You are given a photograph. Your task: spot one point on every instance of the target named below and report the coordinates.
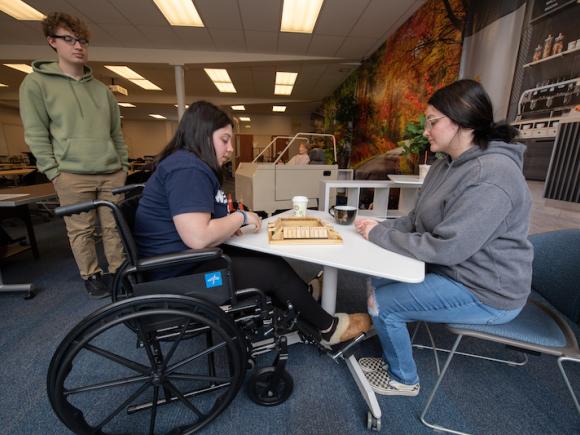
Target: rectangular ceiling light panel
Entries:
(20, 10)
(245, 118)
(283, 90)
(127, 105)
(221, 79)
(20, 67)
(299, 16)
(278, 108)
(132, 76)
(286, 78)
(2, 85)
(180, 12)
(238, 108)
(156, 116)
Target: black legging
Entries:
(275, 277)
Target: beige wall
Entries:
(11, 132)
(149, 137)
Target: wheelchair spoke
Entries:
(118, 359)
(175, 344)
(122, 406)
(183, 399)
(187, 360)
(153, 410)
(190, 377)
(101, 385)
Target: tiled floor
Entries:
(549, 214)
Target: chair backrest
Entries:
(316, 156)
(128, 207)
(556, 270)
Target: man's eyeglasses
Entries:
(71, 40)
(430, 122)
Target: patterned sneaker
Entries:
(371, 364)
(381, 383)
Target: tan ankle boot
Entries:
(350, 326)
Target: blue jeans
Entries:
(438, 299)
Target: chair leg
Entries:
(435, 349)
(567, 381)
(437, 384)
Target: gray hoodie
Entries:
(470, 223)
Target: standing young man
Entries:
(73, 128)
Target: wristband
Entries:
(245, 215)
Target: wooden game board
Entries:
(302, 231)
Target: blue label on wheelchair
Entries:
(213, 279)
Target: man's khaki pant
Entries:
(81, 228)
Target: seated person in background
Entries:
(470, 225)
(302, 157)
(183, 206)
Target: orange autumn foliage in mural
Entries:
(392, 87)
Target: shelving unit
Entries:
(555, 56)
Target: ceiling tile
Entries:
(126, 35)
(261, 15)
(295, 43)
(338, 17)
(220, 14)
(324, 45)
(141, 13)
(228, 40)
(262, 42)
(355, 48)
(194, 38)
(379, 16)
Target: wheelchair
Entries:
(186, 341)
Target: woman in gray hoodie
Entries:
(469, 225)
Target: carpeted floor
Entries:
(478, 396)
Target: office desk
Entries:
(356, 255)
(15, 174)
(14, 203)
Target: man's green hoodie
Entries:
(71, 125)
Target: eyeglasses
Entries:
(429, 124)
(71, 40)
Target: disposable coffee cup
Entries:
(343, 214)
(423, 169)
(299, 204)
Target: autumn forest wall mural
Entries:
(371, 109)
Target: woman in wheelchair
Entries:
(183, 206)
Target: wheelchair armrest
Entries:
(183, 257)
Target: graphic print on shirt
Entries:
(220, 197)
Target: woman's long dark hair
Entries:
(467, 104)
(195, 134)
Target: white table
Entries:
(356, 255)
(409, 185)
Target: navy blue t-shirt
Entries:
(181, 183)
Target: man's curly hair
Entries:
(59, 19)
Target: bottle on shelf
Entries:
(548, 46)
(558, 44)
(538, 53)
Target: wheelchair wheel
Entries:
(139, 356)
(264, 390)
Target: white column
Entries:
(180, 90)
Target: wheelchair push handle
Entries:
(81, 207)
(127, 188)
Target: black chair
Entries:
(186, 340)
(316, 156)
(539, 328)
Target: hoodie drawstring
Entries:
(76, 98)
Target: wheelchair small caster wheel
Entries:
(263, 393)
(373, 423)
